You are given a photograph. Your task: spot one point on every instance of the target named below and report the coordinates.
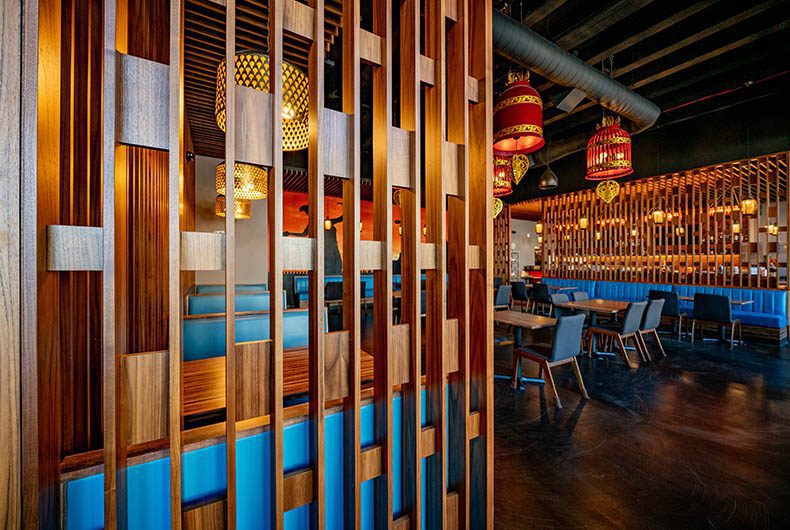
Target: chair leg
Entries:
(740, 333)
(732, 335)
(579, 379)
(680, 326)
(550, 380)
(540, 370)
(642, 345)
(514, 378)
(693, 329)
(658, 341)
(623, 351)
(589, 344)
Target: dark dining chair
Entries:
(497, 282)
(714, 309)
(565, 346)
(560, 298)
(621, 331)
(671, 307)
(650, 322)
(502, 298)
(541, 298)
(519, 293)
(580, 295)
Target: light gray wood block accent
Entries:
(298, 253)
(472, 89)
(202, 251)
(74, 248)
(451, 10)
(370, 255)
(452, 170)
(298, 19)
(142, 102)
(336, 143)
(401, 152)
(427, 70)
(427, 256)
(370, 47)
(474, 257)
(253, 126)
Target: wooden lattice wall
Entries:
(502, 245)
(705, 240)
(445, 72)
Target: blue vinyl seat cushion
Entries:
(220, 288)
(205, 304)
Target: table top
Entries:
(733, 302)
(568, 288)
(523, 320)
(598, 305)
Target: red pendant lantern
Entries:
(503, 176)
(609, 151)
(518, 117)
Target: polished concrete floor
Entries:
(700, 439)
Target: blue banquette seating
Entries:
(767, 310)
(301, 285)
(207, 303)
(220, 288)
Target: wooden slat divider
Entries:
(352, 445)
(298, 488)
(370, 463)
(428, 441)
(473, 429)
(370, 47)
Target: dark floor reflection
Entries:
(698, 440)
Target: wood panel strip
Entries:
(400, 157)
(428, 441)
(201, 251)
(401, 352)
(370, 255)
(427, 256)
(143, 107)
(74, 248)
(473, 429)
(204, 516)
(315, 191)
(370, 463)
(144, 397)
(298, 253)
(253, 374)
(474, 257)
(427, 70)
(370, 47)
(336, 143)
(453, 160)
(299, 19)
(352, 445)
(298, 489)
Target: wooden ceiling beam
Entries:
(601, 21)
(544, 10)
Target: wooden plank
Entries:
(11, 121)
(299, 19)
(253, 373)
(275, 212)
(298, 253)
(474, 257)
(315, 191)
(337, 361)
(144, 397)
(473, 428)
(382, 279)
(74, 248)
(370, 463)
(201, 251)
(427, 256)
(472, 89)
(298, 489)
(336, 143)
(428, 439)
(427, 70)
(205, 516)
(351, 270)
(400, 157)
(370, 47)
(143, 105)
(451, 331)
(453, 160)
(252, 118)
(402, 523)
(401, 353)
(370, 255)
(453, 511)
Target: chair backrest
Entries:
(560, 298)
(633, 317)
(567, 338)
(652, 316)
(497, 282)
(333, 291)
(712, 308)
(541, 293)
(519, 290)
(580, 295)
(502, 296)
(671, 300)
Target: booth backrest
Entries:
(764, 300)
(581, 285)
(204, 337)
(301, 284)
(206, 304)
(625, 291)
(220, 288)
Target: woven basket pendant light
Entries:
(242, 207)
(503, 176)
(250, 182)
(609, 151)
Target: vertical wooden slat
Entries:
(436, 377)
(315, 176)
(275, 212)
(351, 276)
(175, 168)
(382, 279)
(410, 261)
(481, 325)
(230, 263)
(114, 496)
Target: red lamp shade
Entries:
(609, 151)
(518, 118)
(503, 176)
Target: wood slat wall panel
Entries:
(697, 245)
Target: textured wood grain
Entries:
(202, 251)
(205, 516)
(451, 346)
(401, 353)
(253, 374)
(427, 70)
(74, 248)
(298, 489)
(336, 144)
(144, 397)
(370, 255)
(370, 463)
(427, 256)
(252, 118)
(143, 104)
(474, 257)
(400, 158)
(299, 19)
(298, 253)
(370, 47)
(453, 166)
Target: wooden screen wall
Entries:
(705, 240)
(502, 245)
(437, 152)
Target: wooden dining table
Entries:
(521, 321)
(595, 307)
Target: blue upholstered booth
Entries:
(301, 285)
(215, 302)
(220, 288)
(204, 478)
(768, 308)
(205, 337)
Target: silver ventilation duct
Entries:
(525, 47)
